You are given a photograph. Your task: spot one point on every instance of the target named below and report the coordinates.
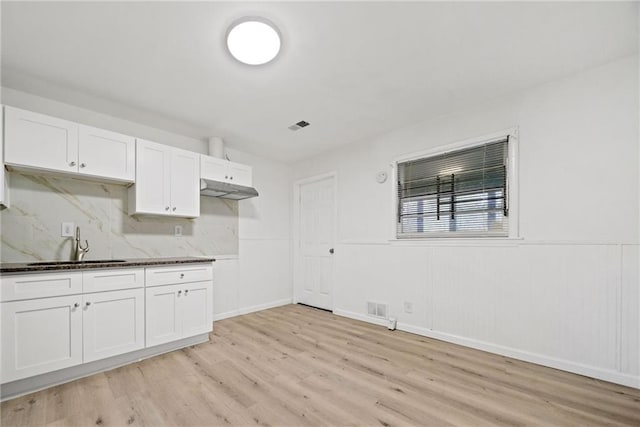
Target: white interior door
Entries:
(316, 239)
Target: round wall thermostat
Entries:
(381, 177)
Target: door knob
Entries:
(331, 251)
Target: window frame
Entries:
(512, 188)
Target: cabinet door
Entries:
(214, 169)
(4, 190)
(196, 302)
(113, 323)
(153, 174)
(163, 317)
(39, 141)
(240, 174)
(185, 184)
(40, 335)
(106, 154)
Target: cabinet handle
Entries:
(76, 305)
(186, 292)
(179, 292)
(88, 303)
(226, 177)
(82, 165)
(182, 275)
(72, 164)
(167, 208)
(174, 208)
(230, 177)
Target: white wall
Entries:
(261, 277)
(258, 275)
(566, 293)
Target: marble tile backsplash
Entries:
(31, 227)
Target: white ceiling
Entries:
(352, 70)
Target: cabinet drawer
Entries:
(28, 286)
(112, 280)
(175, 275)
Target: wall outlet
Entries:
(408, 307)
(177, 230)
(68, 229)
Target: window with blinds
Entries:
(456, 193)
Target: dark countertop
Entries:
(50, 266)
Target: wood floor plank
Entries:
(295, 365)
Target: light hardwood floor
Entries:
(295, 365)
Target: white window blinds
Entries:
(457, 193)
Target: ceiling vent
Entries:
(301, 124)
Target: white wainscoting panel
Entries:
(226, 282)
(573, 306)
(630, 313)
(265, 272)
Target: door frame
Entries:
(296, 254)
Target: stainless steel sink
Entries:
(92, 261)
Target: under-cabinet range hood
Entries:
(226, 190)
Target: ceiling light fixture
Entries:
(253, 40)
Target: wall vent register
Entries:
(301, 124)
(456, 193)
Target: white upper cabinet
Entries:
(4, 178)
(39, 142)
(167, 181)
(151, 192)
(222, 170)
(102, 153)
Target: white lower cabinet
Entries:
(197, 308)
(112, 323)
(40, 335)
(178, 311)
(52, 321)
(162, 314)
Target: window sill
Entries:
(456, 241)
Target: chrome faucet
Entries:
(78, 251)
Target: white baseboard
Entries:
(363, 317)
(247, 310)
(565, 365)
